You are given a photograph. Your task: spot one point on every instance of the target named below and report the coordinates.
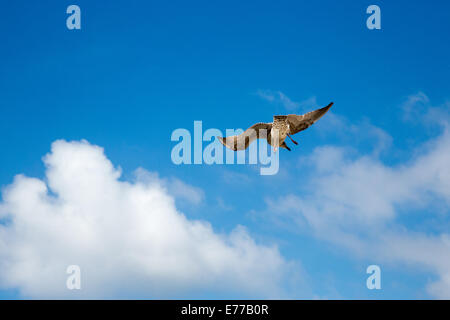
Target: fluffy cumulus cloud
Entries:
(390, 213)
(127, 237)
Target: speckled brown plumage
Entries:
(275, 132)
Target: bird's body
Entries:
(282, 126)
(275, 132)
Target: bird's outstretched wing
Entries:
(243, 140)
(298, 123)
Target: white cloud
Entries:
(235, 178)
(174, 186)
(282, 99)
(127, 237)
(286, 102)
(356, 201)
(414, 105)
(267, 95)
(418, 109)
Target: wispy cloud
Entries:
(418, 109)
(354, 200)
(235, 178)
(282, 99)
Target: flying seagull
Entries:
(283, 126)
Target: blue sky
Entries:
(136, 71)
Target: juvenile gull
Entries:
(281, 127)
